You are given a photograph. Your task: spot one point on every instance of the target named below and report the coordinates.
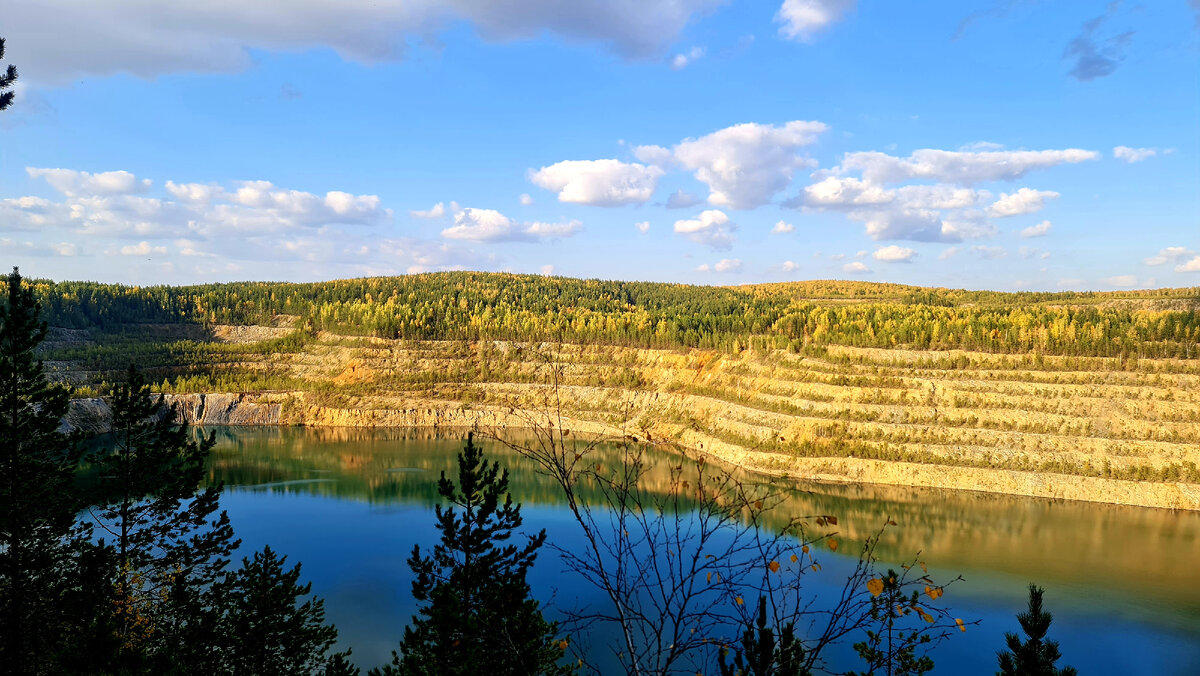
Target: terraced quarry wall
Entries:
(1079, 428)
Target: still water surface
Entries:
(1123, 583)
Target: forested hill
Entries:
(473, 305)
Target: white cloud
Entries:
(657, 156)
(783, 227)
(989, 252)
(28, 248)
(107, 204)
(894, 254)
(950, 210)
(152, 39)
(142, 249)
(682, 199)
(488, 225)
(1122, 281)
(712, 228)
(606, 183)
(856, 266)
(547, 270)
(728, 265)
(1169, 255)
(680, 61)
(949, 253)
(958, 167)
(526, 199)
(1040, 230)
(1023, 201)
(1033, 252)
(746, 164)
(1190, 266)
(642, 226)
(1132, 155)
(789, 266)
(802, 19)
(83, 184)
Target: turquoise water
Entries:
(1123, 583)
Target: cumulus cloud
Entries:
(111, 204)
(1040, 230)
(956, 166)
(1023, 201)
(27, 248)
(789, 266)
(856, 266)
(682, 60)
(1122, 281)
(83, 184)
(746, 164)
(894, 254)
(1170, 254)
(989, 252)
(142, 249)
(950, 210)
(1132, 155)
(657, 156)
(149, 40)
(682, 199)
(949, 253)
(606, 183)
(642, 226)
(489, 225)
(802, 19)
(526, 199)
(711, 228)
(1191, 266)
(547, 270)
(782, 227)
(725, 265)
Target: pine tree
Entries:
(477, 615)
(762, 655)
(38, 502)
(7, 79)
(1036, 656)
(148, 500)
(270, 631)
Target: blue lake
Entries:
(1123, 583)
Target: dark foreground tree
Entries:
(7, 79)
(761, 654)
(272, 629)
(1035, 656)
(477, 615)
(160, 525)
(38, 503)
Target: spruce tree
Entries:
(270, 630)
(167, 547)
(1036, 656)
(38, 503)
(7, 79)
(477, 616)
(762, 655)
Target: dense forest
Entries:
(472, 305)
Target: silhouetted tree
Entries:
(270, 630)
(1036, 656)
(38, 503)
(7, 78)
(148, 500)
(762, 655)
(477, 615)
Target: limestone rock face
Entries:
(93, 416)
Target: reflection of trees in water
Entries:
(1071, 543)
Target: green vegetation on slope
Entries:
(470, 306)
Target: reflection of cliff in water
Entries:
(1150, 553)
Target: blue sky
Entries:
(1006, 145)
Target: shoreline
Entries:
(289, 409)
